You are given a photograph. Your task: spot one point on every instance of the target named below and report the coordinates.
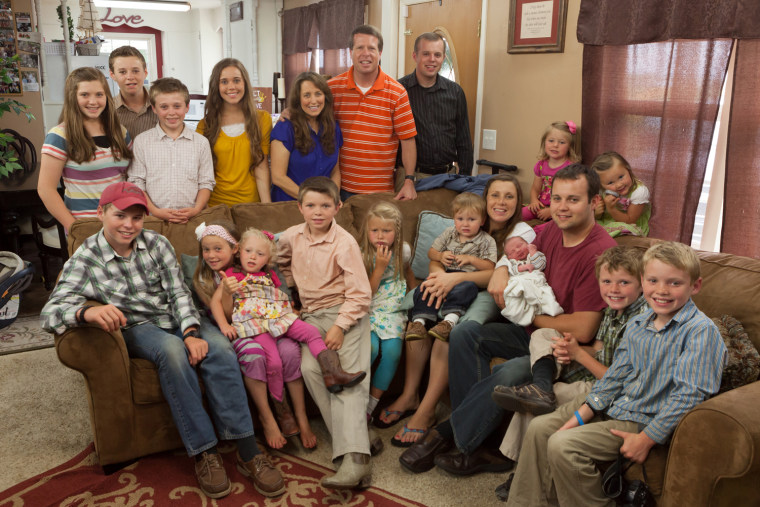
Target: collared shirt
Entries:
(443, 126)
(481, 246)
(610, 333)
(136, 122)
(372, 124)
(172, 171)
(147, 286)
(658, 376)
(328, 271)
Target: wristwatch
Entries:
(193, 332)
(411, 177)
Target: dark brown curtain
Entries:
(337, 19)
(741, 201)
(656, 105)
(615, 22)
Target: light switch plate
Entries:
(489, 139)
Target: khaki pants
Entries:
(558, 467)
(345, 413)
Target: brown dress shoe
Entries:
(265, 477)
(211, 476)
(484, 459)
(441, 330)
(415, 331)
(332, 372)
(419, 457)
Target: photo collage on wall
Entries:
(18, 40)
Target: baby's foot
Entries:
(273, 435)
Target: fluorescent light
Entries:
(148, 5)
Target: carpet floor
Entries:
(45, 423)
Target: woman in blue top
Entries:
(307, 144)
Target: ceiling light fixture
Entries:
(149, 5)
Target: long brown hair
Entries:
(215, 103)
(326, 118)
(502, 233)
(80, 147)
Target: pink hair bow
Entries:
(571, 126)
(268, 235)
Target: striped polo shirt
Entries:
(85, 182)
(372, 125)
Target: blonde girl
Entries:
(88, 148)
(386, 258)
(238, 133)
(260, 314)
(560, 147)
(625, 208)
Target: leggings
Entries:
(386, 368)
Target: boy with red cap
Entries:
(135, 275)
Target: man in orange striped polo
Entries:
(374, 114)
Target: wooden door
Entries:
(458, 21)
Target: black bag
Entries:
(630, 494)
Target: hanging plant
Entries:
(8, 156)
(68, 17)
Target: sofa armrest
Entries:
(714, 457)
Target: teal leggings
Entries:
(386, 368)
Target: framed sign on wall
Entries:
(537, 26)
(236, 11)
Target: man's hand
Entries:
(334, 338)
(197, 349)
(635, 445)
(108, 317)
(407, 192)
(229, 284)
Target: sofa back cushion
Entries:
(182, 236)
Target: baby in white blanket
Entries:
(527, 294)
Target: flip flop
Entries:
(379, 423)
(400, 443)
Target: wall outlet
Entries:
(489, 139)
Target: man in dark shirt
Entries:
(440, 111)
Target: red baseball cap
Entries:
(123, 195)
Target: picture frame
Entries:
(236, 11)
(537, 26)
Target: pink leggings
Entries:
(275, 362)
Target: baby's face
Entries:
(516, 249)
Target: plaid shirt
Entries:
(147, 286)
(610, 333)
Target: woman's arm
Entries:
(439, 283)
(280, 159)
(335, 175)
(261, 174)
(51, 169)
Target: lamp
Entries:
(150, 5)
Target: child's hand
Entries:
(197, 349)
(635, 445)
(382, 257)
(610, 201)
(571, 423)
(164, 214)
(544, 214)
(599, 210)
(535, 206)
(108, 317)
(334, 338)
(230, 285)
(526, 267)
(463, 260)
(228, 331)
(532, 249)
(448, 259)
(560, 349)
(186, 214)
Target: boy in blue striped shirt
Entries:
(670, 359)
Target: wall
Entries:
(523, 93)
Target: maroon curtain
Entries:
(335, 61)
(656, 104)
(741, 201)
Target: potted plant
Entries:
(8, 156)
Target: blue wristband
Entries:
(580, 419)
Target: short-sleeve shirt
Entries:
(372, 124)
(481, 246)
(301, 166)
(136, 122)
(83, 183)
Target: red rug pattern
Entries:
(168, 479)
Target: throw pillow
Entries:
(743, 364)
(430, 226)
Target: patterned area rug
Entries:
(24, 334)
(168, 479)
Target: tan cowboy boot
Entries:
(355, 472)
(335, 378)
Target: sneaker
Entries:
(441, 330)
(527, 398)
(265, 477)
(415, 331)
(211, 476)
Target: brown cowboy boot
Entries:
(285, 418)
(335, 378)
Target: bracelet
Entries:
(580, 419)
(79, 316)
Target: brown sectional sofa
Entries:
(714, 458)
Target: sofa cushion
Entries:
(743, 360)
(429, 227)
(182, 236)
(274, 217)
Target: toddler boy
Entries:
(128, 69)
(325, 264)
(463, 247)
(172, 162)
(670, 359)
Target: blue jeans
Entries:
(179, 383)
(471, 348)
(345, 194)
(457, 301)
